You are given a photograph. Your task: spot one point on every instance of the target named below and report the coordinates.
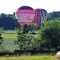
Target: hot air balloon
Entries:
(40, 16)
(25, 15)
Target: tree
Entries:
(50, 35)
(54, 15)
(8, 21)
(28, 42)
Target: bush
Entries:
(50, 35)
(28, 42)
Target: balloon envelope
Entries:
(40, 15)
(25, 16)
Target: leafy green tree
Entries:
(50, 35)
(28, 42)
(54, 15)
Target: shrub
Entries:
(50, 35)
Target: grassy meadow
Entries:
(9, 36)
(42, 57)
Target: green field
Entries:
(29, 58)
(9, 36)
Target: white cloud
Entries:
(10, 6)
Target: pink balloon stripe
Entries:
(25, 11)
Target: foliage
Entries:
(50, 35)
(8, 21)
(28, 42)
(54, 15)
(33, 27)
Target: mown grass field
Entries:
(9, 36)
(43, 57)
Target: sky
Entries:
(10, 6)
